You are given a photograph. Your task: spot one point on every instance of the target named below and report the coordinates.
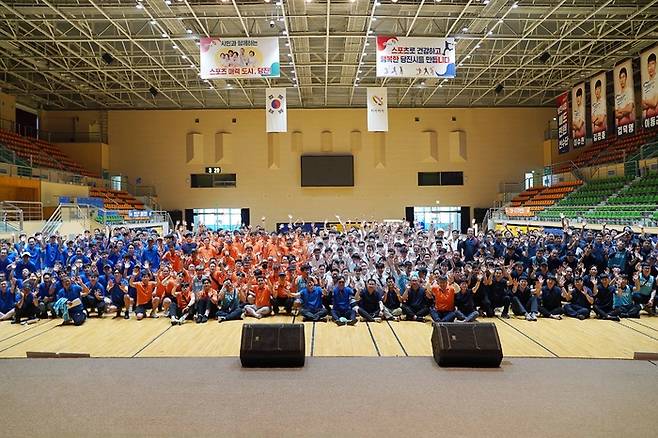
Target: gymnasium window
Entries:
(218, 218)
(443, 217)
(216, 180)
(440, 178)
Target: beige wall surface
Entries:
(80, 122)
(500, 144)
(7, 108)
(50, 192)
(92, 156)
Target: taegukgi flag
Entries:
(276, 113)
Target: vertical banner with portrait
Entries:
(599, 108)
(624, 99)
(578, 126)
(562, 102)
(649, 88)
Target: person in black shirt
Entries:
(497, 294)
(370, 306)
(603, 298)
(524, 301)
(391, 300)
(580, 300)
(551, 297)
(414, 302)
(465, 308)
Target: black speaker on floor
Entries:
(273, 345)
(466, 345)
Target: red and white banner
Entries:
(276, 111)
(562, 102)
(578, 127)
(235, 58)
(598, 107)
(624, 99)
(412, 57)
(649, 88)
(377, 109)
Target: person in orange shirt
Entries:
(146, 296)
(282, 294)
(206, 301)
(207, 251)
(443, 296)
(174, 258)
(262, 300)
(180, 306)
(165, 287)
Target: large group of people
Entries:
(342, 273)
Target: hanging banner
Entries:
(276, 113)
(411, 57)
(624, 99)
(599, 109)
(235, 58)
(377, 109)
(563, 123)
(649, 88)
(578, 127)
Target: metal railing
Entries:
(11, 217)
(53, 136)
(67, 213)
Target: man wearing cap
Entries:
(414, 302)
(442, 297)
(25, 263)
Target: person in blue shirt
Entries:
(117, 288)
(7, 300)
(72, 292)
(151, 254)
(342, 311)
(5, 261)
(644, 292)
(469, 246)
(310, 299)
(25, 263)
(35, 250)
(189, 245)
(27, 305)
(79, 255)
(95, 299)
(623, 300)
(415, 305)
(53, 251)
(47, 295)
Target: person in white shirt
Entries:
(578, 125)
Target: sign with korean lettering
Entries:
(649, 88)
(411, 57)
(139, 214)
(235, 58)
(563, 122)
(599, 109)
(624, 99)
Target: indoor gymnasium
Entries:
(263, 218)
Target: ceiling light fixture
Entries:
(189, 31)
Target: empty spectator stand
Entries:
(115, 200)
(538, 198)
(40, 153)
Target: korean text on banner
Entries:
(235, 58)
(414, 57)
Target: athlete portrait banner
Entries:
(578, 127)
(562, 102)
(411, 57)
(235, 58)
(377, 109)
(276, 113)
(649, 88)
(598, 107)
(624, 99)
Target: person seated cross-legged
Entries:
(414, 302)
(370, 306)
(579, 299)
(310, 299)
(228, 303)
(524, 299)
(342, 311)
(443, 297)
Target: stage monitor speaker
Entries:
(273, 345)
(466, 345)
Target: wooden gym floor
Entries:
(568, 338)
